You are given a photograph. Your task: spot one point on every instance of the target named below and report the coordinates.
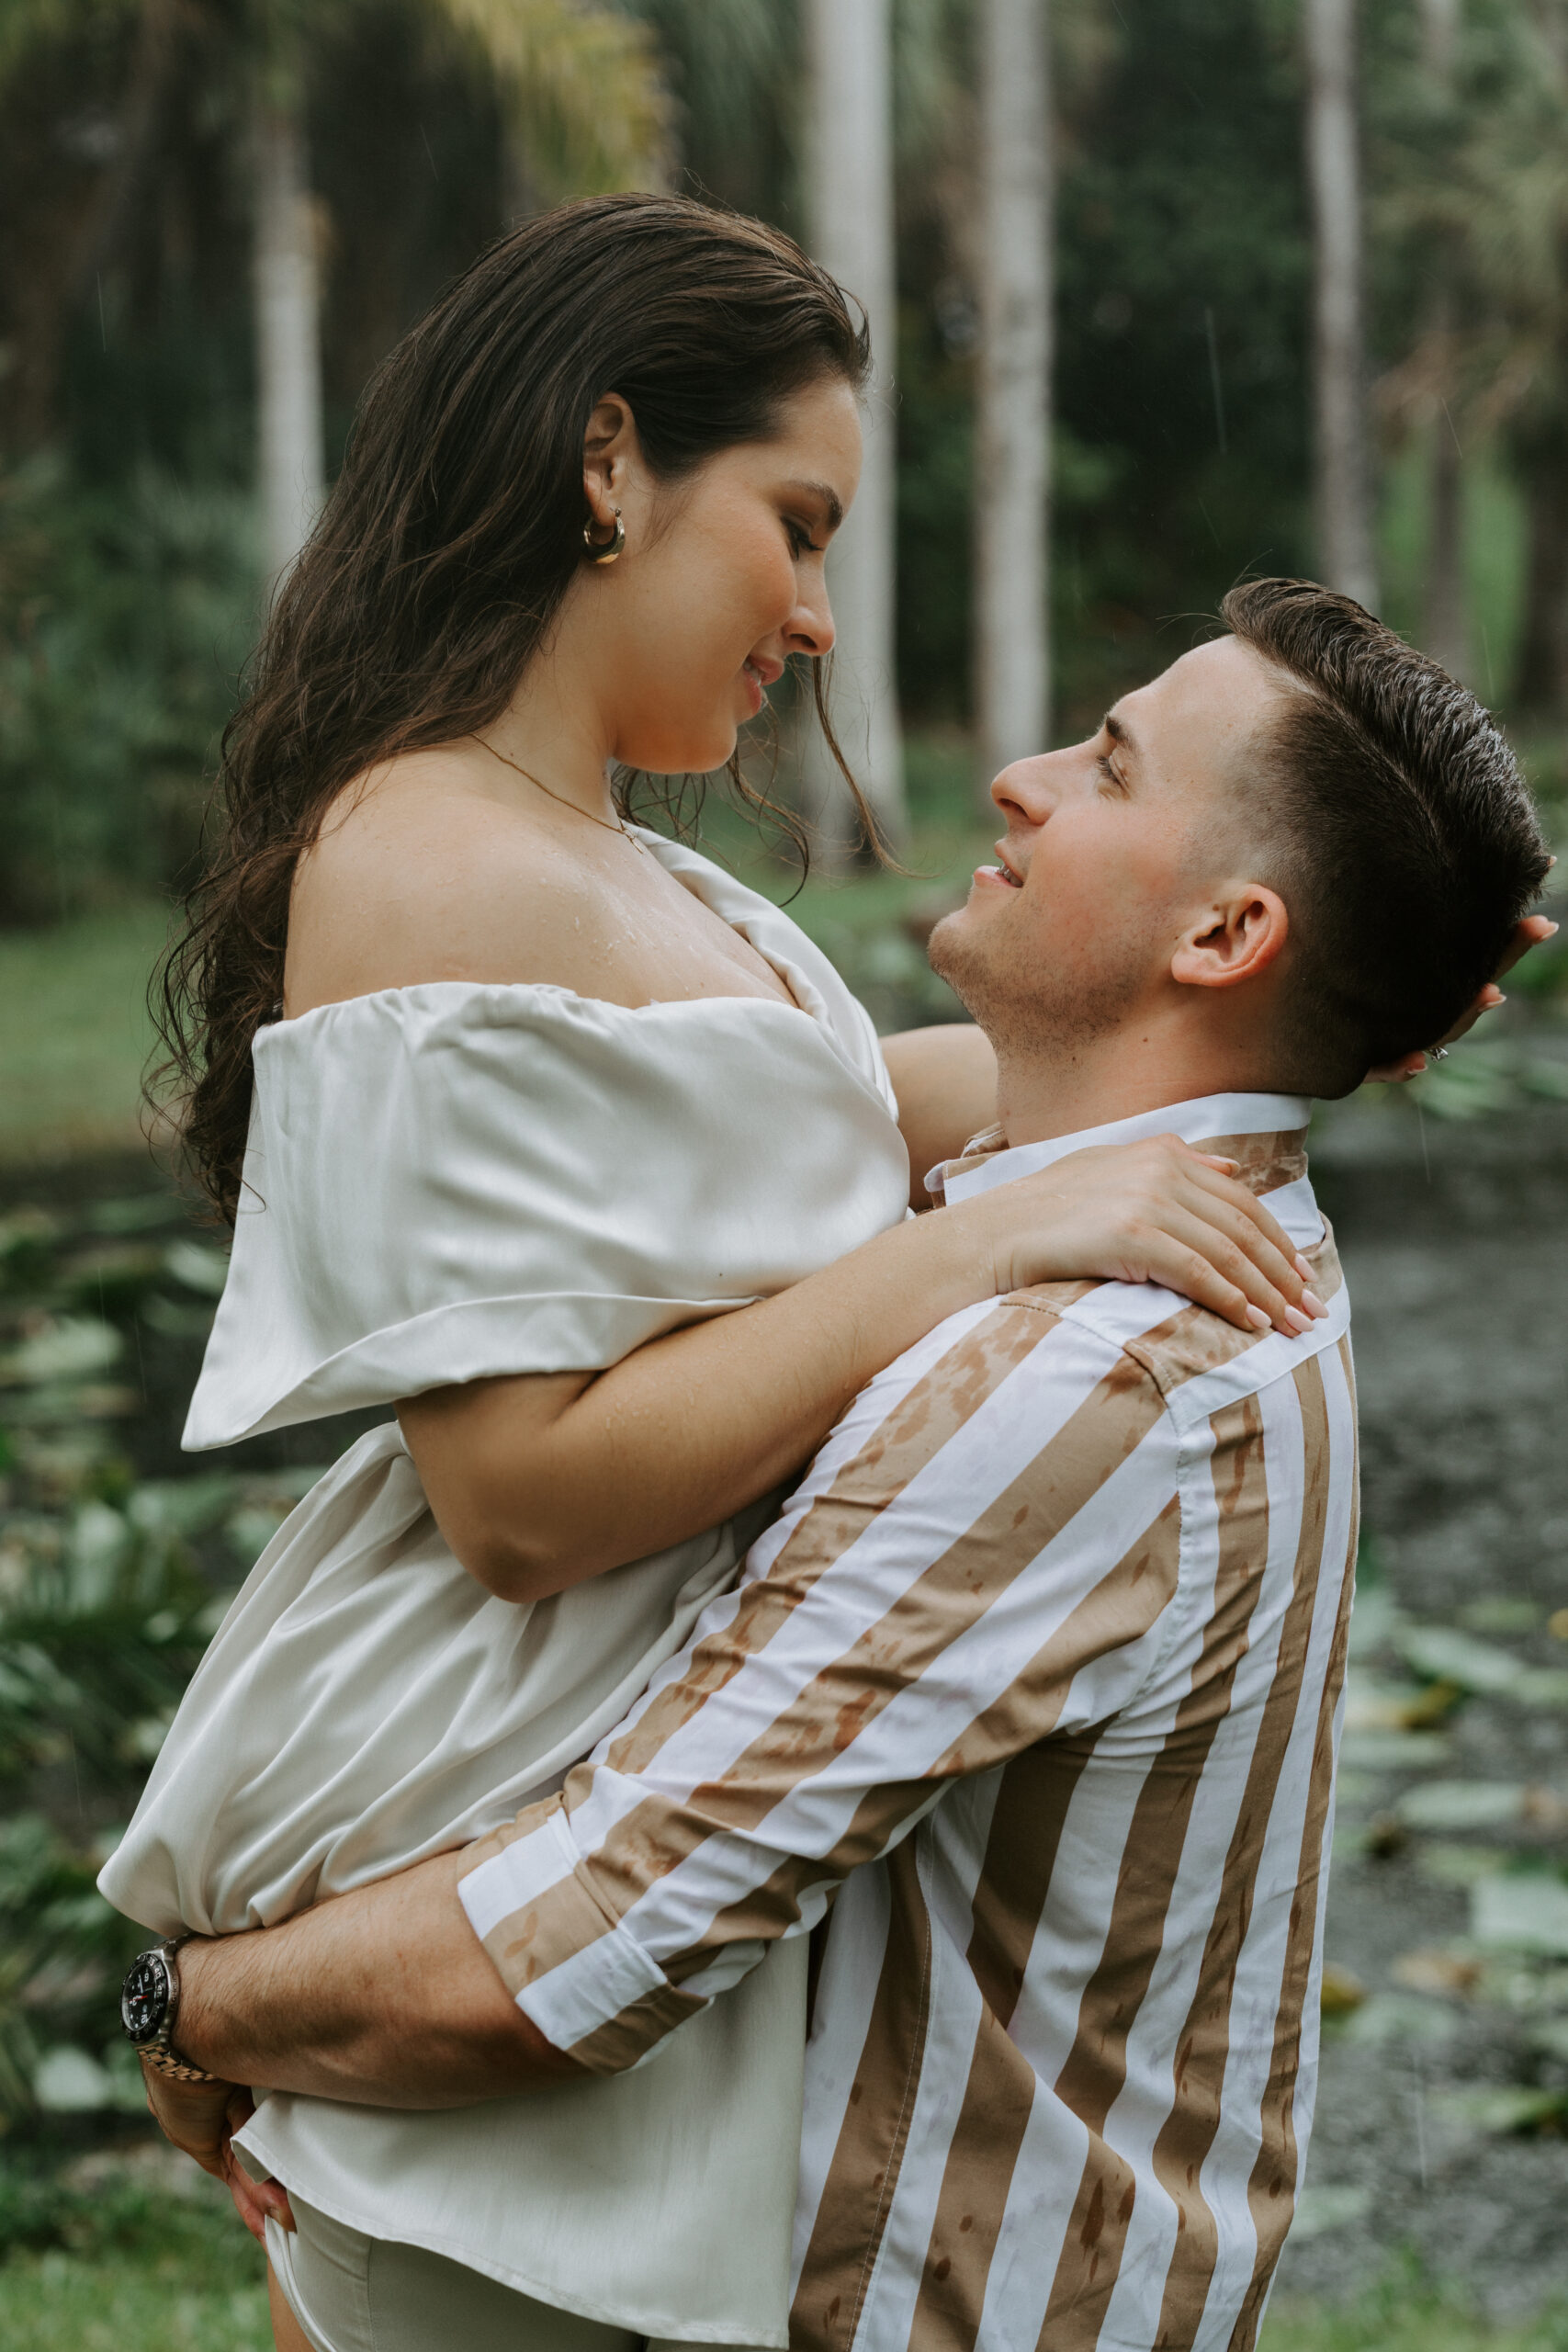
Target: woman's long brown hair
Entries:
(444, 550)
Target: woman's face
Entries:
(721, 579)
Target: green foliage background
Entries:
(128, 585)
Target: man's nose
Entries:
(1028, 787)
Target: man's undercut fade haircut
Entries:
(1411, 845)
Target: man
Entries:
(1039, 1672)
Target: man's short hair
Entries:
(1410, 845)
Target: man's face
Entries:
(1111, 849)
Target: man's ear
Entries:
(1236, 937)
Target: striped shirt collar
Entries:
(1267, 1133)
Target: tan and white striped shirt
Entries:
(1039, 1675)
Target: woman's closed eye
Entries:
(1102, 762)
(800, 539)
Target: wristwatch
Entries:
(150, 2006)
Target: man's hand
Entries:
(201, 2119)
(1531, 933)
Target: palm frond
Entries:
(580, 88)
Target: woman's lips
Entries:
(756, 685)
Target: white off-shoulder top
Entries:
(445, 1183)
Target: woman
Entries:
(543, 1130)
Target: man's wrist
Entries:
(198, 2034)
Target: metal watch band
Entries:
(173, 2068)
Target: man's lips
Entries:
(1003, 875)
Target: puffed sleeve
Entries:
(453, 1181)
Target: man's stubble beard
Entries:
(1042, 1013)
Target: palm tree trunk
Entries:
(1012, 469)
(849, 207)
(1542, 685)
(288, 328)
(1343, 481)
(1444, 629)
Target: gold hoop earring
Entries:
(604, 550)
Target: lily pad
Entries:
(1377, 1703)
(1521, 1911)
(1447, 1863)
(1542, 1686)
(138, 1213)
(68, 2082)
(197, 1265)
(1374, 1621)
(1500, 1613)
(1503, 2108)
(1455, 1975)
(1342, 1992)
(1335, 2206)
(181, 1506)
(1444, 1655)
(1462, 1805)
(1402, 2017)
(72, 1348)
(1550, 2036)
(1393, 1751)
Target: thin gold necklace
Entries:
(559, 797)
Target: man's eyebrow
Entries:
(829, 499)
(1120, 733)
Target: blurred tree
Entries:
(1477, 193)
(1014, 387)
(579, 93)
(734, 72)
(850, 208)
(583, 111)
(1342, 471)
(1515, 176)
(291, 456)
(1184, 255)
(1445, 632)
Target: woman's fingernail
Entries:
(1314, 1305)
(1296, 1321)
(1259, 1320)
(1302, 1267)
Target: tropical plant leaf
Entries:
(582, 91)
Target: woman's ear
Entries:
(609, 446)
(1236, 937)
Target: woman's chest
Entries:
(659, 942)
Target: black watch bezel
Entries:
(149, 1996)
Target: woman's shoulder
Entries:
(418, 877)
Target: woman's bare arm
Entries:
(541, 1481)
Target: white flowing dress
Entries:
(442, 1183)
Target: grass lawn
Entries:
(74, 1033)
(205, 2292)
(1401, 2314)
(180, 2277)
(60, 2302)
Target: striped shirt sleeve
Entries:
(983, 1556)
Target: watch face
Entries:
(144, 1995)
